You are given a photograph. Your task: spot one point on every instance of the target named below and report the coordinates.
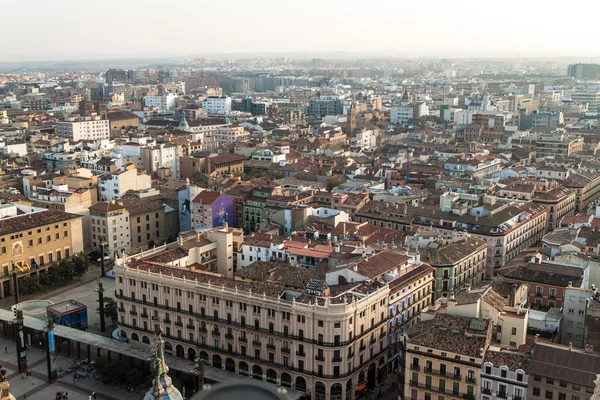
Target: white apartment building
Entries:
(591, 97)
(110, 224)
(113, 185)
(400, 114)
(504, 375)
(217, 104)
(164, 102)
(162, 156)
(572, 330)
(296, 332)
(84, 128)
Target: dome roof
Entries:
(162, 385)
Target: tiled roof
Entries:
(33, 220)
(510, 359)
(560, 363)
(206, 197)
(283, 274)
(452, 253)
(104, 206)
(381, 263)
(447, 332)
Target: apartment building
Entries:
(165, 102)
(163, 156)
(295, 331)
(84, 128)
(504, 375)
(217, 104)
(558, 200)
(31, 239)
(148, 219)
(562, 372)
(113, 185)
(586, 186)
(557, 144)
(110, 225)
(211, 210)
(444, 356)
(547, 280)
(75, 200)
(507, 228)
(573, 322)
(458, 259)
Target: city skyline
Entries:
(473, 29)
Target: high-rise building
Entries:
(584, 71)
(115, 75)
(84, 128)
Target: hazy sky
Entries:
(70, 29)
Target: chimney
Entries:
(197, 235)
(180, 240)
(570, 345)
(468, 288)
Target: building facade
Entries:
(31, 239)
(328, 347)
(110, 225)
(504, 375)
(84, 128)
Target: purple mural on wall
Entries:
(222, 211)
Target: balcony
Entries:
(415, 367)
(229, 336)
(285, 350)
(502, 395)
(132, 312)
(363, 347)
(202, 330)
(486, 390)
(320, 358)
(468, 396)
(178, 323)
(300, 354)
(350, 356)
(121, 309)
(428, 369)
(167, 321)
(457, 377)
(144, 315)
(256, 343)
(271, 346)
(517, 397)
(190, 326)
(216, 332)
(336, 359)
(243, 340)
(471, 379)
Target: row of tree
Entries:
(60, 273)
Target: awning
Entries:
(361, 386)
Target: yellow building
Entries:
(444, 356)
(32, 239)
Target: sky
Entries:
(35, 30)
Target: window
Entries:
(536, 391)
(514, 331)
(549, 394)
(320, 323)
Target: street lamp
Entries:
(102, 244)
(100, 291)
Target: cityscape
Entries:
(302, 221)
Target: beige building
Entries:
(32, 239)
(561, 372)
(276, 323)
(62, 197)
(502, 304)
(147, 219)
(444, 356)
(114, 185)
(110, 224)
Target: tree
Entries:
(333, 182)
(110, 310)
(80, 263)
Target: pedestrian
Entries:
(94, 395)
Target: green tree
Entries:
(110, 310)
(80, 263)
(333, 182)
